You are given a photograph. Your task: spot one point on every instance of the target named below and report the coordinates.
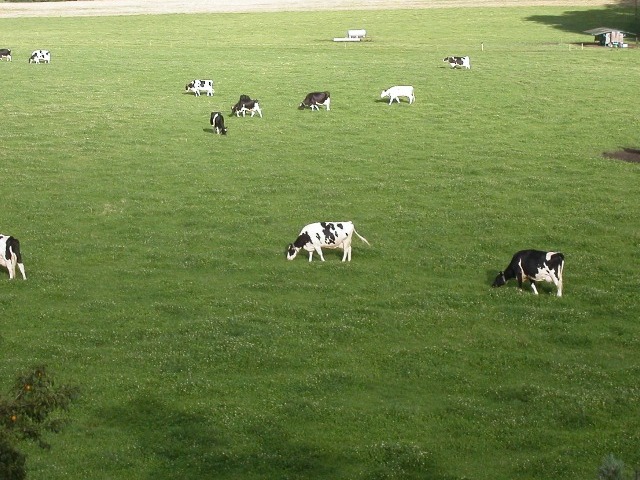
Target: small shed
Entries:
(609, 37)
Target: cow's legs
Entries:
(11, 266)
(319, 250)
(533, 287)
(557, 282)
(21, 267)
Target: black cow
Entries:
(246, 104)
(314, 99)
(535, 266)
(5, 53)
(462, 62)
(217, 121)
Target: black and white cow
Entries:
(316, 236)
(197, 86)
(315, 99)
(246, 104)
(5, 53)
(462, 62)
(40, 56)
(217, 121)
(534, 266)
(10, 255)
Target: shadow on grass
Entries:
(622, 16)
(386, 102)
(229, 444)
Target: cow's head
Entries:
(385, 93)
(500, 280)
(301, 106)
(189, 85)
(291, 251)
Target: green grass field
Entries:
(154, 249)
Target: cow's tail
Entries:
(13, 248)
(361, 237)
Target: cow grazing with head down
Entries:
(399, 91)
(314, 100)
(197, 86)
(217, 122)
(10, 256)
(316, 236)
(462, 62)
(5, 53)
(535, 266)
(246, 104)
(40, 56)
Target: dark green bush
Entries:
(26, 414)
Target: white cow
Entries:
(10, 255)
(316, 236)
(399, 91)
(40, 56)
(197, 86)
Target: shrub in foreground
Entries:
(31, 408)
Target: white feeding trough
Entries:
(352, 36)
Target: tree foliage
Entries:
(35, 405)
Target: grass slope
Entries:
(155, 249)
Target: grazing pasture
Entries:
(158, 280)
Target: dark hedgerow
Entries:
(28, 411)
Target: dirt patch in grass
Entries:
(631, 155)
(142, 7)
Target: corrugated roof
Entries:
(601, 30)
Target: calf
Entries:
(217, 121)
(10, 256)
(40, 56)
(5, 53)
(315, 99)
(244, 105)
(197, 86)
(535, 266)
(316, 236)
(462, 62)
(399, 91)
